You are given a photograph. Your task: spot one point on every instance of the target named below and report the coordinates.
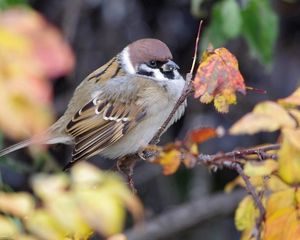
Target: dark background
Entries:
(99, 29)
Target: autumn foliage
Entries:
(89, 200)
(31, 52)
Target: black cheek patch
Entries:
(169, 75)
(145, 73)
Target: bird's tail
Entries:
(15, 147)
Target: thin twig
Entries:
(235, 155)
(186, 91)
(196, 47)
(250, 189)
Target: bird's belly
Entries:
(137, 138)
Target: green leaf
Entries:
(232, 20)
(9, 3)
(225, 24)
(260, 28)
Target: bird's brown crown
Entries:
(148, 49)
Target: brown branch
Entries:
(250, 189)
(186, 216)
(232, 160)
(236, 155)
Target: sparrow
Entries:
(118, 108)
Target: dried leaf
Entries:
(218, 78)
(266, 116)
(203, 134)
(190, 157)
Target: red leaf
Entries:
(218, 78)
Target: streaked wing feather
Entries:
(101, 123)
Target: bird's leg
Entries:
(125, 166)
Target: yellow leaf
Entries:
(256, 181)
(18, 204)
(238, 181)
(280, 200)
(44, 226)
(245, 214)
(292, 100)
(170, 161)
(282, 216)
(266, 116)
(8, 230)
(103, 211)
(86, 176)
(50, 186)
(65, 211)
(275, 184)
(26, 237)
(289, 156)
(118, 237)
(296, 115)
(223, 101)
(263, 168)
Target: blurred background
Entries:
(78, 36)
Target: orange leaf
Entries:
(218, 78)
(189, 158)
(170, 161)
(203, 134)
(282, 216)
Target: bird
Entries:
(117, 109)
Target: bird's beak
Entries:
(169, 66)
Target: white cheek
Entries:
(158, 75)
(126, 62)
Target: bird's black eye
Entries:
(153, 64)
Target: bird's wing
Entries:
(100, 123)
